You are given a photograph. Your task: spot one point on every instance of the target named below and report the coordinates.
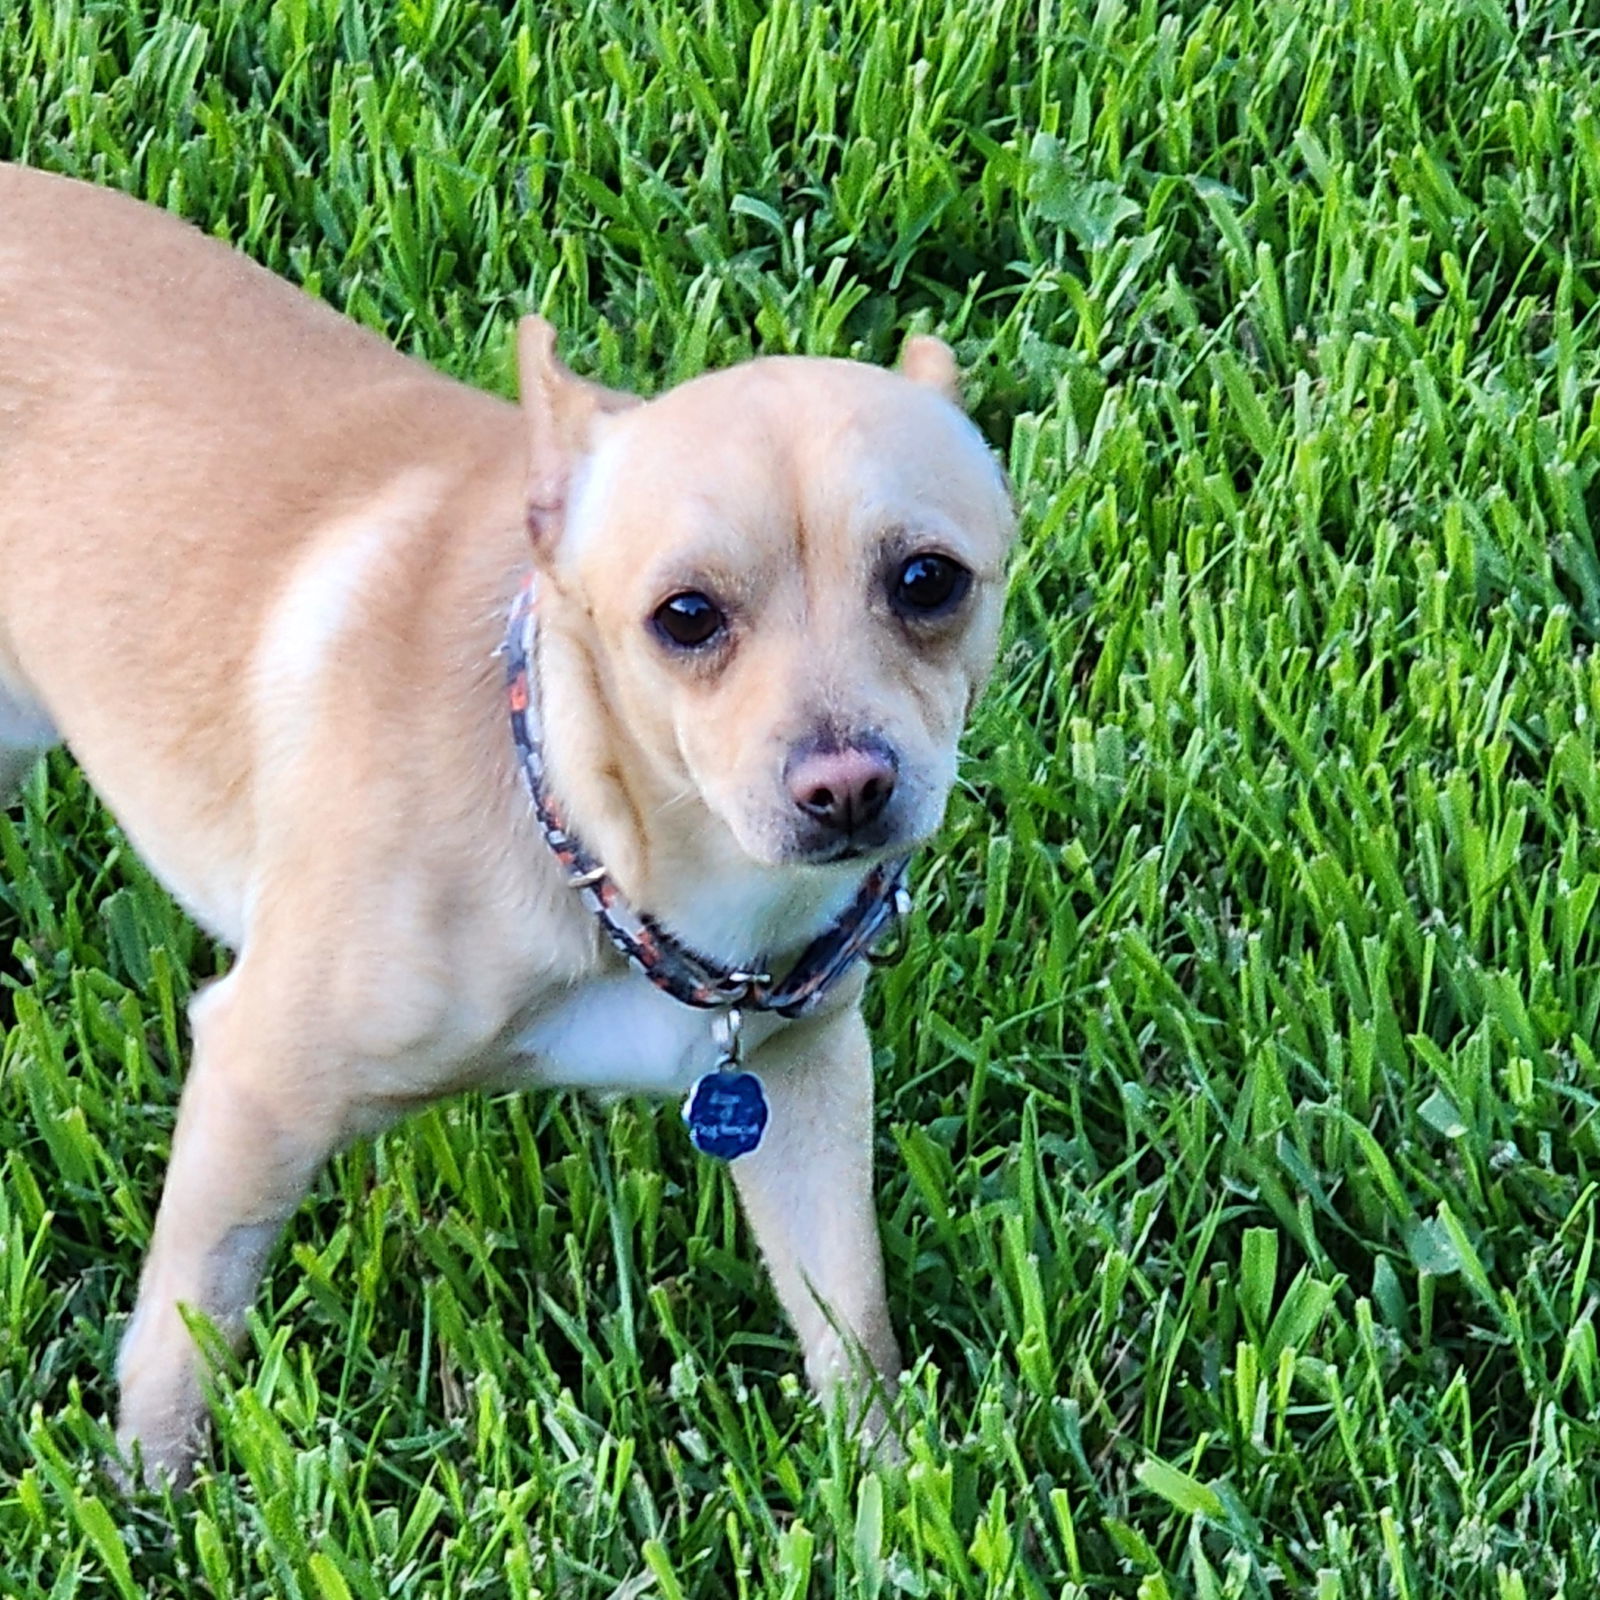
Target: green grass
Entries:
(1238, 1134)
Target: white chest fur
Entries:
(621, 1033)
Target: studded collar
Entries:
(654, 952)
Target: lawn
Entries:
(1238, 1138)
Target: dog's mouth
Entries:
(867, 845)
(843, 851)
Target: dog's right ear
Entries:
(931, 362)
(561, 409)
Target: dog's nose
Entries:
(843, 789)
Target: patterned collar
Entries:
(670, 965)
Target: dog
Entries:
(578, 743)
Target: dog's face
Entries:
(791, 573)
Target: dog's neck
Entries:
(662, 847)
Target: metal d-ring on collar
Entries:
(670, 965)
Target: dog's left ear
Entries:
(924, 359)
(561, 410)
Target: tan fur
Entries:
(254, 567)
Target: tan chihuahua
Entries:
(505, 746)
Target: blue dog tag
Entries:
(726, 1113)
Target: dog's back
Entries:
(141, 363)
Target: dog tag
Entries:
(726, 1113)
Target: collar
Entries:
(668, 963)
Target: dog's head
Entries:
(784, 581)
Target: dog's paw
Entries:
(154, 1460)
(879, 1439)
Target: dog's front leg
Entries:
(254, 1128)
(808, 1194)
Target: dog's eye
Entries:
(928, 586)
(689, 620)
